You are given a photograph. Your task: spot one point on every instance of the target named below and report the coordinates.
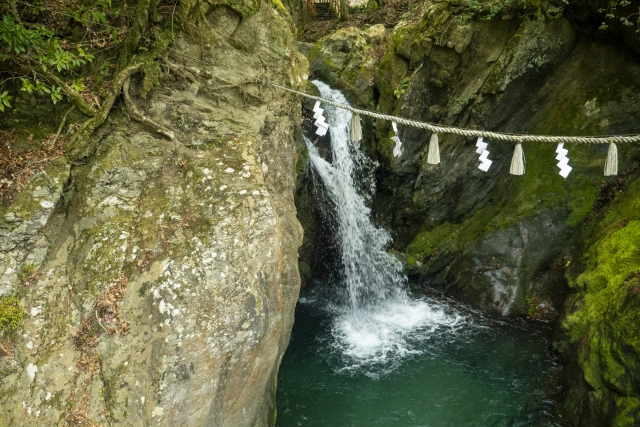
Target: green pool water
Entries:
(456, 368)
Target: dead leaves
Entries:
(107, 316)
(17, 167)
(6, 351)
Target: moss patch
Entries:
(605, 319)
(11, 313)
(427, 242)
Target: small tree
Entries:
(344, 10)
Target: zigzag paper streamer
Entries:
(486, 163)
(482, 149)
(481, 145)
(320, 123)
(563, 163)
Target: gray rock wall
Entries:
(167, 270)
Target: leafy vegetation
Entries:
(610, 13)
(84, 51)
(402, 87)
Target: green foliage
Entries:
(369, 6)
(609, 12)
(402, 87)
(4, 100)
(11, 313)
(487, 9)
(460, 103)
(40, 47)
(97, 14)
(26, 271)
(533, 309)
(39, 44)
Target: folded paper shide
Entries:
(397, 150)
(485, 163)
(433, 151)
(320, 121)
(563, 160)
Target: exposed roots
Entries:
(79, 148)
(138, 116)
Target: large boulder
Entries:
(601, 324)
(167, 273)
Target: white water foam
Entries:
(380, 323)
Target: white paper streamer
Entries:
(563, 160)
(397, 150)
(482, 150)
(486, 163)
(320, 123)
(481, 145)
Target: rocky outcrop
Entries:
(491, 238)
(515, 76)
(166, 270)
(347, 59)
(536, 244)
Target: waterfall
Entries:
(370, 273)
(378, 320)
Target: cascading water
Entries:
(376, 356)
(379, 319)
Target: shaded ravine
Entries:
(365, 352)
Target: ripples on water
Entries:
(365, 353)
(437, 364)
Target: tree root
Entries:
(64, 120)
(79, 148)
(138, 116)
(82, 105)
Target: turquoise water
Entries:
(464, 369)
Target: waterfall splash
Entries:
(380, 323)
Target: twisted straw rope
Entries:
(470, 132)
(500, 136)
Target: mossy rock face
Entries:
(513, 75)
(21, 223)
(603, 318)
(346, 59)
(203, 229)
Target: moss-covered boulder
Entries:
(348, 59)
(167, 272)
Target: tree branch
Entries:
(64, 120)
(83, 105)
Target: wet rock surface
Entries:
(538, 244)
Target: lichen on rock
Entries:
(202, 230)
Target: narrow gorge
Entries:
(179, 247)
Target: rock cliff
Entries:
(537, 244)
(159, 277)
